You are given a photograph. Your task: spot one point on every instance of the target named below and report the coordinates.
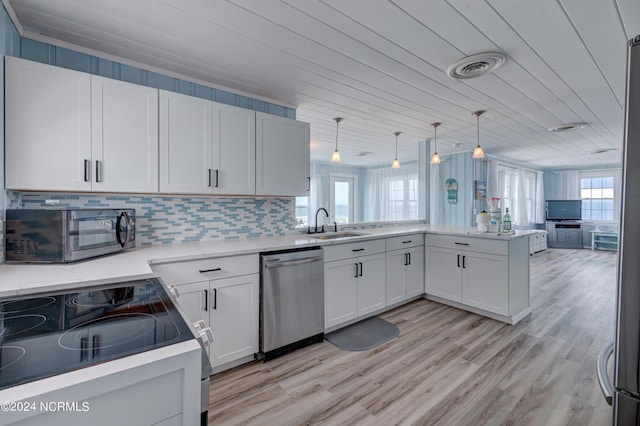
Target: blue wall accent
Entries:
(53, 55)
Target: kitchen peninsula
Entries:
(486, 273)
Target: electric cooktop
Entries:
(42, 335)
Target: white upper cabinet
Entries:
(282, 156)
(48, 127)
(205, 147)
(235, 136)
(68, 130)
(186, 144)
(124, 142)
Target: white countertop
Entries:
(17, 279)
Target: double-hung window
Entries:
(597, 192)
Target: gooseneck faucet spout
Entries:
(318, 211)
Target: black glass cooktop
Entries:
(47, 334)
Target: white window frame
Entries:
(352, 180)
(615, 174)
(406, 200)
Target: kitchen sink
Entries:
(336, 235)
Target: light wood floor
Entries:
(449, 367)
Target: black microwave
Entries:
(66, 235)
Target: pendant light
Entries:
(478, 152)
(335, 158)
(396, 163)
(435, 158)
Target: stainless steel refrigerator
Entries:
(623, 389)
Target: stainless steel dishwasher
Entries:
(291, 300)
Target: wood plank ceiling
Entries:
(381, 64)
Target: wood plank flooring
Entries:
(449, 367)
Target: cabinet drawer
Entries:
(405, 241)
(207, 269)
(481, 245)
(345, 251)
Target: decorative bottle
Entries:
(506, 221)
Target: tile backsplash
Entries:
(180, 219)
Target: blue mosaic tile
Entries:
(168, 220)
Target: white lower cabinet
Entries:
(485, 282)
(355, 285)
(340, 292)
(405, 268)
(487, 276)
(225, 300)
(474, 279)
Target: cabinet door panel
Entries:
(193, 300)
(444, 278)
(124, 141)
(48, 126)
(235, 150)
(282, 156)
(340, 292)
(486, 282)
(186, 144)
(415, 272)
(371, 283)
(396, 276)
(234, 318)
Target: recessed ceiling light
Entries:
(476, 65)
(566, 127)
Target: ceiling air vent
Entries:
(566, 127)
(476, 65)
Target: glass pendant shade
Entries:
(396, 163)
(435, 158)
(335, 158)
(478, 152)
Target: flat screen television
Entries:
(564, 210)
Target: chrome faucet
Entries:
(316, 227)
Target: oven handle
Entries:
(127, 237)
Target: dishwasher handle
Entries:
(285, 263)
(603, 376)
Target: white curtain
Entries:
(540, 204)
(520, 200)
(493, 180)
(316, 195)
(436, 200)
(568, 186)
(378, 188)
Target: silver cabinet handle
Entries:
(356, 272)
(461, 244)
(603, 376)
(215, 298)
(202, 271)
(87, 170)
(458, 261)
(217, 185)
(209, 172)
(407, 242)
(309, 183)
(206, 300)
